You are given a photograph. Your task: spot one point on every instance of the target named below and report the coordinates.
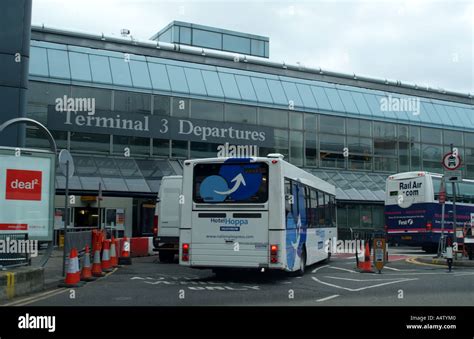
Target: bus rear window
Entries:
(230, 183)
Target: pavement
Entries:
(53, 270)
(404, 281)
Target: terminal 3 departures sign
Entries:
(158, 126)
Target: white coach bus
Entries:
(254, 213)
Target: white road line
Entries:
(391, 268)
(342, 269)
(362, 288)
(36, 298)
(361, 280)
(328, 298)
(318, 268)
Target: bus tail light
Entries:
(185, 253)
(274, 254)
(429, 226)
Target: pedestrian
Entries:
(449, 253)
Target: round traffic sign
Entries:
(451, 162)
(66, 160)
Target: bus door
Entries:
(230, 217)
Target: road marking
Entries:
(391, 268)
(10, 285)
(342, 269)
(415, 262)
(362, 280)
(328, 298)
(318, 268)
(362, 288)
(35, 298)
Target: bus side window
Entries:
(314, 207)
(288, 197)
(321, 211)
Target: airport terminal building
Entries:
(192, 88)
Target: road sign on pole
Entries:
(451, 161)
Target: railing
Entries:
(15, 250)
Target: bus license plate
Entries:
(406, 237)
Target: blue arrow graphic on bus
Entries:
(239, 179)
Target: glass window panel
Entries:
(415, 151)
(89, 142)
(469, 156)
(321, 98)
(429, 114)
(132, 102)
(161, 105)
(37, 112)
(46, 93)
(296, 120)
(38, 62)
(452, 137)
(140, 75)
(360, 162)
(80, 68)
(311, 154)
(431, 152)
(359, 145)
(235, 44)
(431, 135)
(137, 145)
(185, 35)
(88, 172)
(120, 72)
(361, 103)
(342, 216)
(281, 142)
(58, 64)
(469, 139)
(359, 127)
(161, 147)
(258, 47)
(296, 147)
(100, 69)
(177, 79)
(374, 104)
(332, 160)
(102, 97)
(277, 92)
(159, 77)
(446, 118)
(180, 107)
(213, 85)
(306, 96)
(385, 147)
(195, 81)
(241, 114)
(353, 212)
(206, 39)
(262, 91)
(403, 132)
(404, 156)
(165, 36)
(36, 138)
(203, 150)
(335, 99)
(385, 164)
(384, 130)
(415, 134)
(179, 149)
(292, 94)
(347, 101)
(229, 86)
(330, 142)
(273, 117)
(457, 119)
(366, 216)
(207, 110)
(311, 122)
(110, 174)
(246, 88)
(331, 124)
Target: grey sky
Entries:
(430, 43)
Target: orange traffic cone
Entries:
(113, 253)
(96, 265)
(73, 278)
(86, 273)
(125, 258)
(366, 266)
(106, 266)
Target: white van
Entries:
(167, 216)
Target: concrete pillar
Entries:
(15, 33)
